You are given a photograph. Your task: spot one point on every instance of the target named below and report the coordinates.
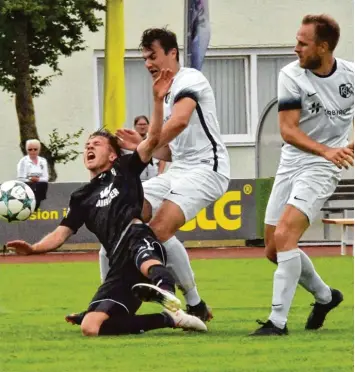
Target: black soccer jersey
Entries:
(109, 202)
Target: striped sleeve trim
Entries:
(290, 104)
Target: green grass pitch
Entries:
(34, 337)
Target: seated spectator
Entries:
(33, 170)
(141, 125)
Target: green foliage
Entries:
(50, 27)
(59, 146)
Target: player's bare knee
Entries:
(270, 248)
(92, 322)
(161, 231)
(90, 329)
(284, 237)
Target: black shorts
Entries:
(115, 296)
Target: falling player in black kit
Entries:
(110, 206)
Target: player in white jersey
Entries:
(316, 108)
(191, 139)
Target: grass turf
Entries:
(34, 337)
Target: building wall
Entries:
(68, 104)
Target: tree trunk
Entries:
(23, 97)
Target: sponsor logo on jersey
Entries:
(315, 107)
(346, 90)
(106, 196)
(337, 112)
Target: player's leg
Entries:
(77, 318)
(113, 308)
(191, 191)
(280, 194)
(293, 263)
(270, 246)
(289, 229)
(324, 183)
(177, 258)
(149, 258)
(106, 320)
(309, 279)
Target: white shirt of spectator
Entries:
(26, 169)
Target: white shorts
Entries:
(192, 189)
(307, 188)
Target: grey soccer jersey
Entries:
(201, 142)
(326, 103)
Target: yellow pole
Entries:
(114, 82)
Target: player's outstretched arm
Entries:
(292, 134)
(161, 87)
(50, 242)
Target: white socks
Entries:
(286, 278)
(179, 263)
(312, 282)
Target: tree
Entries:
(35, 33)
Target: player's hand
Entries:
(34, 179)
(20, 247)
(162, 84)
(128, 139)
(342, 157)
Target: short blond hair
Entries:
(33, 141)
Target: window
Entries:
(138, 83)
(268, 72)
(227, 79)
(244, 82)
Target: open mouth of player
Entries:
(154, 73)
(90, 156)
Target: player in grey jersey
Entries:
(316, 108)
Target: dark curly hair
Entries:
(166, 38)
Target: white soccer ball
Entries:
(17, 201)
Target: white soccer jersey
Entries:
(201, 142)
(326, 103)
